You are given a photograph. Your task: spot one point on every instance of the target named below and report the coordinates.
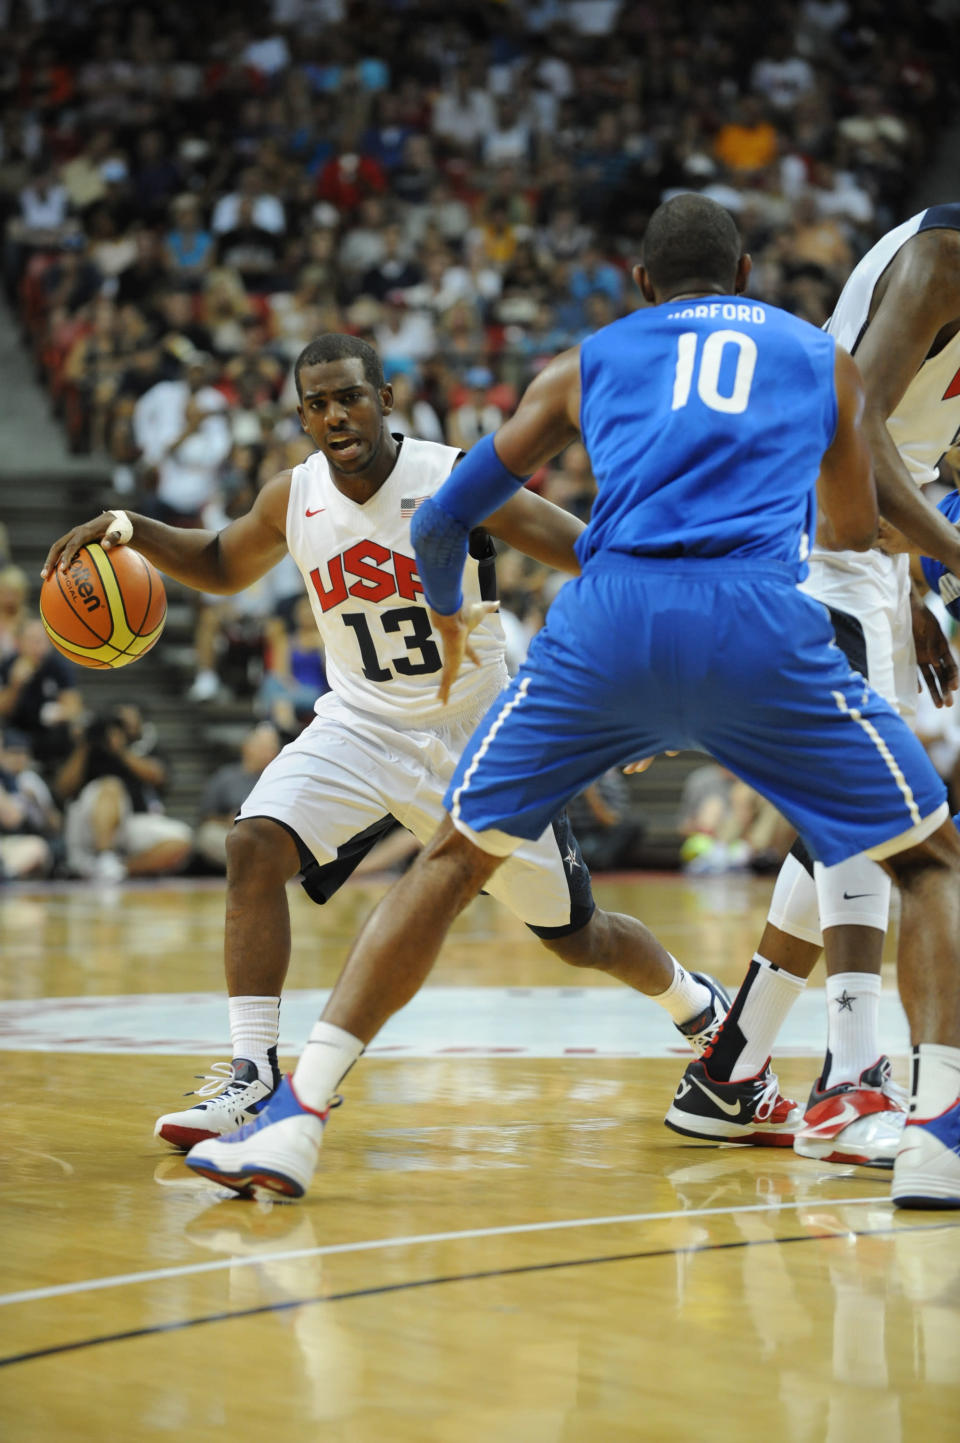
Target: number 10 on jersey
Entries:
(708, 371)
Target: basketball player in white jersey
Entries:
(899, 315)
(383, 744)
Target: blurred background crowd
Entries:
(189, 194)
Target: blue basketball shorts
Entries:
(726, 657)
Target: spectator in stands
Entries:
(782, 76)
(748, 142)
(38, 695)
(29, 821)
(183, 436)
(411, 414)
(294, 677)
(189, 245)
(251, 198)
(14, 588)
(112, 784)
(228, 789)
(476, 416)
(395, 271)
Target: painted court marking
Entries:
(439, 1022)
(123, 1280)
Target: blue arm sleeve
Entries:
(441, 526)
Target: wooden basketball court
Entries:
(504, 1242)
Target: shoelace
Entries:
(220, 1078)
(768, 1098)
(702, 1042)
(897, 1094)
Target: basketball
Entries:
(107, 609)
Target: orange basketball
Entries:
(106, 609)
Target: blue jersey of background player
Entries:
(682, 412)
(937, 576)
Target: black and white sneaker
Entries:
(701, 1030)
(233, 1093)
(751, 1111)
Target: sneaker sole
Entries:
(821, 1151)
(753, 1138)
(183, 1138)
(244, 1182)
(930, 1194)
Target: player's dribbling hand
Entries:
(65, 548)
(454, 633)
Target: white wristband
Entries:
(122, 530)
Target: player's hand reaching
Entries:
(934, 657)
(65, 548)
(454, 633)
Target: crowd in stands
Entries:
(189, 194)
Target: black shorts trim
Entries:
(579, 885)
(321, 882)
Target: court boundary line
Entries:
(119, 1280)
(413, 1284)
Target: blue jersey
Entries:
(705, 422)
(938, 578)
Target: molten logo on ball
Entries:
(107, 609)
(80, 577)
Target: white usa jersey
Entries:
(358, 567)
(927, 420)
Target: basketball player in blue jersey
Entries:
(899, 314)
(707, 419)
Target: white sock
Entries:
(327, 1058)
(853, 1036)
(685, 998)
(755, 1019)
(254, 1028)
(936, 1080)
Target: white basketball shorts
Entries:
(337, 786)
(875, 590)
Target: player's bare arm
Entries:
(220, 562)
(547, 418)
(846, 489)
(538, 528)
(921, 299)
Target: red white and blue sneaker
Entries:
(926, 1173)
(751, 1111)
(233, 1093)
(701, 1031)
(277, 1151)
(855, 1122)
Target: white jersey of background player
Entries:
(381, 745)
(899, 315)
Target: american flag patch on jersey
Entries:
(409, 504)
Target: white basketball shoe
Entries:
(277, 1151)
(233, 1093)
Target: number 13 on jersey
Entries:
(708, 370)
